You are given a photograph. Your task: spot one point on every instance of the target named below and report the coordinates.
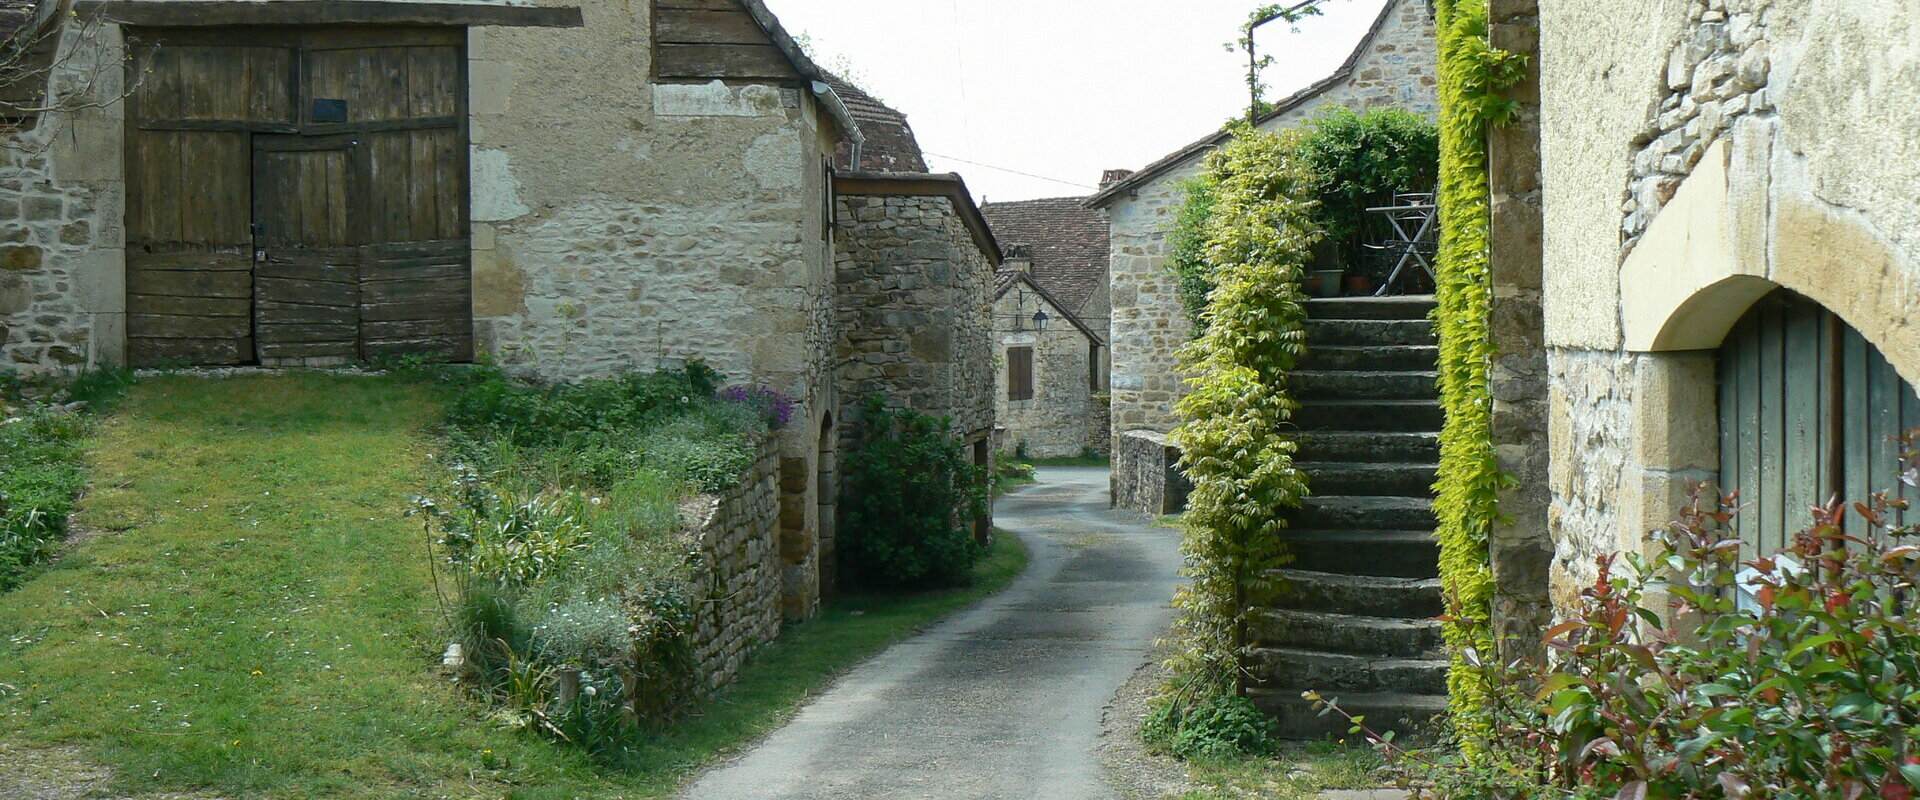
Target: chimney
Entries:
(1113, 176)
(1019, 257)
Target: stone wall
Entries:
(1055, 423)
(741, 605)
(1145, 478)
(914, 309)
(1148, 324)
(1740, 146)
(62, 242)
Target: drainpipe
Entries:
(837, 109)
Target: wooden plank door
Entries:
(306, 272)
(402, 95)
(343, 149)
(189, 248)
(1809, 412)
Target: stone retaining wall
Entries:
(1145, 478)
(739, 608)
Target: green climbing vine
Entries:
(1472, 76)
(1260, 238)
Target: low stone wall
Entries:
(1145, 478)
(739, 605)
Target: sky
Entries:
(1062, 89)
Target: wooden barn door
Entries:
(306, 268)
(1809, 411)
(298, 196)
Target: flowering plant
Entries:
(772, 406)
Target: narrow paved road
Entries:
(1002, 701)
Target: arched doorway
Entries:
(1809, 411)
(826, 469)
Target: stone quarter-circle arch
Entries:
(1706, 259)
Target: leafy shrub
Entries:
(1360, 161)
(1218, 726)
(1233, 432)
(909, 498)
(562, 516)
(41, 458)
(1695, 673)
(1351, 162)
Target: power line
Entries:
(1074, 184)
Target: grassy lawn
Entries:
(254, 615)
(1299, 772)
(1072, 461)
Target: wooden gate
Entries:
(297, 195)
(1809, 411)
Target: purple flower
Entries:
(772, 406)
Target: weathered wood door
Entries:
(1809, 411)
(297, 195)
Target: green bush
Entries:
(561, 516)
(1360, 161)
(909, 498)
(1218, 726)
(1697, 672)
(1233, 434)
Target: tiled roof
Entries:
(890, 145)
(1005, 278)
(1066, 239)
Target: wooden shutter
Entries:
(1019, 373)
(1809, 411)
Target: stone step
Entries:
(1332, 673)
(1326, 631)
(1409, 716)
(1309, 385)
(1369, 415)
(1361, 478)
(1368, 595)
(1398, 307)
(1369, 332)
(1364, 512)
(1382, 553)
(1420, 447)
(1415, 357)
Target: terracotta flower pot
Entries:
(1359, 284)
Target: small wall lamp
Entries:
(1040, 321)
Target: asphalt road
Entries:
(1001, 701)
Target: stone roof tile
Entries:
(1066, 240)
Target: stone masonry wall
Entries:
(62, 242)
(1055, 423)
(1738, 143)
(1148, 323)
(914, 310)
(741, 609)
(1145, 479)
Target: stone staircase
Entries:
(1357, 620)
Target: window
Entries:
(1093, 368)
(1808, 409)
(1019, 373)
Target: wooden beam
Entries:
(202, 13)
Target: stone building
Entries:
(573, 189)
(1051, 384)
(1048, 374)
(1726, 242)
(1393, 66)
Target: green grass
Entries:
(1073, 461)
(257, 616)
(1299, 772)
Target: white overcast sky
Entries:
(1062, 88)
